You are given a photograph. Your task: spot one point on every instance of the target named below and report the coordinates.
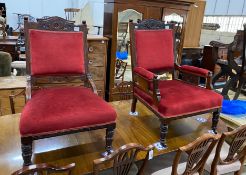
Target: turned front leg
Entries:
(163, 134)
(134, 103)
(26, 148)
(109, 138)
(215, 120)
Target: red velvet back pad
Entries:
(154, 49)
(55, 52)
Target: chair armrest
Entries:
(144, 73)
(195, 71)
(198, 72)
(147, 78)
(92, 84)
(13, 96)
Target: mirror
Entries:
(123, 71)
(177, 23)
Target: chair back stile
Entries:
(60, 25)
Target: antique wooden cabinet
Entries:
(117, 12)
(97, 55)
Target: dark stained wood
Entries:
(59, 24)
(83, 148)
(237, 150)
(144, 84)
(41, 169)
(123, 159)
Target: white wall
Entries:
(38, 8)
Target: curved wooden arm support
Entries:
(44, 168)
(13, 96)
(92, 84)
(207, 76)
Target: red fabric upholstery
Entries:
(64, 108)
(180, 98)
(144, 73)
(154, 49)
(196, 70)
(54, 52)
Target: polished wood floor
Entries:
(83, 148)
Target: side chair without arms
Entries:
(123, 160)
(41, 169)
(228, 157)
(153, 53)
(57, 55)
(197, 151)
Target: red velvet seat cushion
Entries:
(154, 49)
(65, 108)
(55, 52)
(180, 98)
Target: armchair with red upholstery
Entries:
(152, 55)
(57, 56)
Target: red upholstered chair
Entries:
(153, 54)
(57, 56)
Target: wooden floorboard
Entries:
(83, 148)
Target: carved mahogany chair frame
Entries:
(44, 168)
(236, 81)
(198, 152)
(123, 159)
(237, 149)
(35, 82)
(229, 68)
(143, 83)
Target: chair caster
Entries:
(134, 114)
(212, 132)
(106, 153)
(159, 146)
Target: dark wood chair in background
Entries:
(65, 108)
(152, 47)
(123, 160)
(226, 58)
(46, 169)
(70, 13)
(237, 82)
(229, 156)
(197, 154)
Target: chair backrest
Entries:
(70, 13)
(123, 159)
(41, 169)
(237, 147)
(152, 45)
(55, 50)
(198, 152)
